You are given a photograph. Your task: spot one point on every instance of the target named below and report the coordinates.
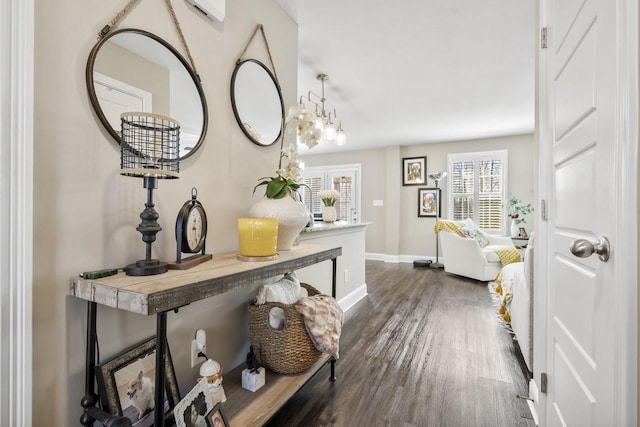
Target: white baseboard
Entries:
(353, 297)
(382, 257)
(533, 404)
(397, 258)
(411, 258)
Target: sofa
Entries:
(469, 254)
(515, 283)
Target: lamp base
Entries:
(422, 263)
(146, 268)
(436, 265)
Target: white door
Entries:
(579, 119)
(116, 97)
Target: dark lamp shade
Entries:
(149, 145)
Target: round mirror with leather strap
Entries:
(257, 102)
(134, 70)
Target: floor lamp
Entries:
(437, 264)
(437, 177)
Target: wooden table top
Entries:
(150, 295)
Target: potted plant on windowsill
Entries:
(329, 199)
(282, 200)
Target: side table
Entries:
(520, 242)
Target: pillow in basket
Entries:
(285, 291)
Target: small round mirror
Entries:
(134, 70)
(257, 102)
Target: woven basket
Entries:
(286, 351)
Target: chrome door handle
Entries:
(583, 248)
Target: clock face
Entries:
(191, 227)
(194, 229)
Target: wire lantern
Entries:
(149, 145)
(150, 149)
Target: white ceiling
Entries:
(419, 71)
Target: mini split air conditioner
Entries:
(212, 9)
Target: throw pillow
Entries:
(285, 291)
(472, 231)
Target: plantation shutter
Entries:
(477, 188)
(343, 178)
(462, 188)
(344, 185)
(490, 202)
(310, 195)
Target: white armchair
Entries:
(464, 256)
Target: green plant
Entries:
(517, 209)
(329, 197)
(278, 186)
(287, 179)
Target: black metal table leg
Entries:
(333, 280)
(334, 261)
(161, 355)
(90, 398)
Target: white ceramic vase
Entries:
(291, 214)
(515, 230)
(329, 214)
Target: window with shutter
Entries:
(343, 178)
(315, 184)
(344, 185)
(477, 188)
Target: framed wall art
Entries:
(429, 202)
(127, 383)
(414, 170)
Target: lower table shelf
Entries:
(246, 408)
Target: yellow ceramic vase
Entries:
(257, 236)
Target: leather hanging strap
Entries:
(112, 24)
(261, 28)
(182, 38)
(116, 19)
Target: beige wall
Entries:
(85, 213)
(396, 228)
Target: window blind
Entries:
(344, 185)
(343, 178)
(477, 188)
(310, 195)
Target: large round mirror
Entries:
(257, 102)
(134, 70)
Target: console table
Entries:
(159, 294)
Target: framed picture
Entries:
(414, 170)
(127, 383)
(216, 417)
(429, 202)
(522, 232)
(194, 409)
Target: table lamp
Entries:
(149, 149)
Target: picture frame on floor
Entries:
(429, 200)
(414, 170)
(126, 384)
(194, 409)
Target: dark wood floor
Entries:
(423, 349)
